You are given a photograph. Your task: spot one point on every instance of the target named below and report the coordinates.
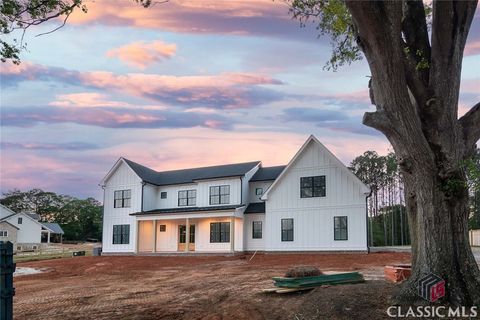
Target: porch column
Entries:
(187, 236)
(154, 236)
(137, 236)
(48, 237)
(232, 234)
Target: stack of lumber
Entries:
(397, 273)
(284, 284)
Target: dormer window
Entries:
(163, 195)
(220, 194)
(258, 191)
(187, 198)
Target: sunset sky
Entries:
(181, 84)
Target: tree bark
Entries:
(417, 110)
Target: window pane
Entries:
(192, 193)
(225, 190)
(192, 201)
(257, 230)
(118, 195)
(306, 193)
(214, 199)
(182, 202)
(127, 194)
(126, 203)
(306, 182)
(214, 191)
(163, 195)
(225, 199)
(182, 194)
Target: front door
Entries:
(182, 238)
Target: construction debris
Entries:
(286, 285)
(397, 273)
(303, 271)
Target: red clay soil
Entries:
(186, 287)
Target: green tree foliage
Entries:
(472, 168)
(80, 218)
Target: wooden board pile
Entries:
(397, 273)
(285, 284)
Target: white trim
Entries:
(25, 215)
(312, 138)
(117, 164)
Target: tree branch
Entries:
(415, 31)
(470, 123)
(378, 120)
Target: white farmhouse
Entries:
(312, 204)
(25, 230)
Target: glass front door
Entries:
(182, 238)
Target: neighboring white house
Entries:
(315, 203)
(29, 229)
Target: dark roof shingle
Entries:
(186, 210)
(190, 175)
(255, 207)
(267, 173)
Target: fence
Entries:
(474, 237)
(7, 291)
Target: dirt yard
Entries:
(203, 287)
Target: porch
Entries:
(206, 232)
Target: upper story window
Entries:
(122, 198)
(258, 191)
(340, 225)
(163, 195)
(187, 198)
(311, 187)
(220, 194)
(20, 220)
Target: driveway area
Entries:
(203, 287)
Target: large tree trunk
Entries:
(415, 88)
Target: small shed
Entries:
(52, 232)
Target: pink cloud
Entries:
(141, 54)
(220, 91)
(86, 99)
(188, 16)
(472, 48)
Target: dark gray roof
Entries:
(190, 175)
(55, 227)
(6, 217)
(256, 207)
(267, 173)
(186, 210)
(34, 216)
(3, 221)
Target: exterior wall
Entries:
(203, 193)
(474, 236)
(251, 244)
(29, 230)
(313, 217)
(246, 184)
(123, 178)
(11, 233)
(150, 193)
(252, 197)
(167, 241)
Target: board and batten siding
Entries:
(203, 193)
(314, 217)
(123, 178)
(251, 244)
(30, 231)
(246, 184)
(252, 197)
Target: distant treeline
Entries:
(388, 221)
(80, 219)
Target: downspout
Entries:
(366, 217)
(141, 203)
(241, 190)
